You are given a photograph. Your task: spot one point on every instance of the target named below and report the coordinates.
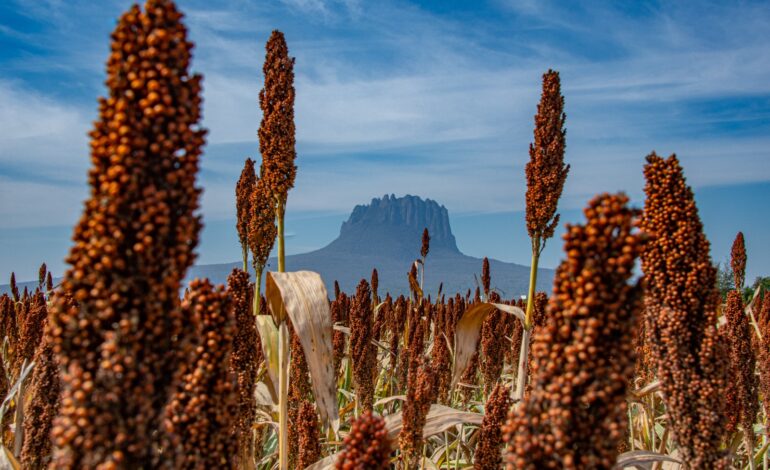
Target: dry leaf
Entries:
(642, 460)
(467, 336)
(268, 334)
(302, 296)
(439, 419)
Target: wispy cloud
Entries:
(451, 97)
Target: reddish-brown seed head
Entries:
(545, 171)
(243, 193)
(681, 313)
(276, 132)
(583, 357)
(738, 260)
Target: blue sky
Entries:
(427, 98)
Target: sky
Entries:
(430, 98)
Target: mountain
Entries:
(387, 234)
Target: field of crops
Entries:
(634, 359)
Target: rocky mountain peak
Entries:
(395, 225)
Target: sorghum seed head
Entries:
(276, 132)
(681, 313)
(575, 413)
(545, 170)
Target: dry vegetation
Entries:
(112, 369)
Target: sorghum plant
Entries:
(202, 411)
(366, 447)
(276, 132)
(545, 174)
(583, 359)
(244, 362)
(363, 352)
(244, 191)
(261, 234)
(488, 453)
(133, 246)
(681, 314)
(309, 448)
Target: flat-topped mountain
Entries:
(393, 225)
(387, 234)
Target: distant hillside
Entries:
(386, 234)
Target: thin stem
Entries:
(532, 282)
(521, 375)
(283, 396)
(245, 249)
(280, 211)
(257, 291)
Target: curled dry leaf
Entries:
(642, 460)
(302, 296)
(268, 333)
(467, 336)
(439, 419)
(513, 310)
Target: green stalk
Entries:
(257, 290)
(280, 210)
(283, 366)
(532, 282)
(521, 375)
(283, 397)
(245, 258)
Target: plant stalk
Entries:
(280, 211)
(521, 375)
(283, 396)
(532, 282)
(257, 291)
(245, 258)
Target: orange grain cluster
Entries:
(133, 246)
(488, 453)
(262, 230)
(243, 193)
(738, 260)
(575, 414)
(309, 446)
(202, 411)
(276, 132)
(681, 313)
(763, 355)
(246, 355)
(743, 403)
(363, 352)
(366, 447)
(545, 171)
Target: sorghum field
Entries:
(633, 360)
